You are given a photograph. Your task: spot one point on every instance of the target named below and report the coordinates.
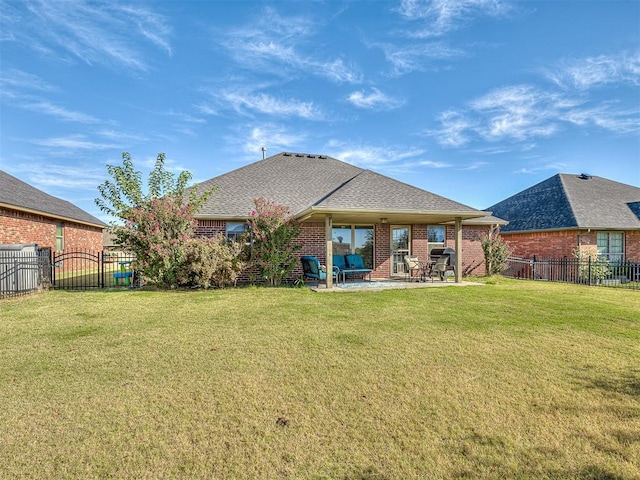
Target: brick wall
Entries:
(382, 249)
(632, 246)
(472, 254)
(22, 227)
(209, 228)
(81, 237)
(561, 244)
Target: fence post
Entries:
(590, 273)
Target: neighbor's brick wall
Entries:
(19, 227)
(561, 244)
(81, 237)
(546, 244)
(632, 246)
(22, 227)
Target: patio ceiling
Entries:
(365, 216)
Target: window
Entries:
(435, 236)
(235, 230)
(354, 239)
(59, 237)
(611, 246)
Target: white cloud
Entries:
(97, 34)
(44, 107)
(269, 105)
(52, 175)
(72, 142)
(517, 112)
(417, 57)
(598, 71)
(432, 164)
(17, 80)
(375, 100)
(381, 158)
(276, 44)
(438, 17)
(453, 130)
(276, 138)
(606, 116)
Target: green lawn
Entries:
(506, 380)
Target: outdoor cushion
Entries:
(340, 261)
(355, 262)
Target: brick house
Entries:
(28, 215)
(566, 211)
(346, 209)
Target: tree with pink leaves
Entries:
(274, 237)
(157, 224)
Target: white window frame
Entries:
(605, 252)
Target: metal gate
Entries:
(88, 269)
(77, 270)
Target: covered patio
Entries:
(383, 220)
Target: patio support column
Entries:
(458, 228)
(328, 227)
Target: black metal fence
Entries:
(573, 270)
(24, 270)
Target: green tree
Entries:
(154, 224)
(274, 235)
(496, 252)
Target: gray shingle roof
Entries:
(16, 193)
(302, 181)
(567, 201)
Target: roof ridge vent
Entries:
(322, 157)
(286, 154)
(584, 176)
(299, 155)
(311, 156)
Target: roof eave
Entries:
(576, 229)
(52, 215)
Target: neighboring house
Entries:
(28, 215)
(346, 209)
(565, 211)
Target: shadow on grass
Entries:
(624, 384)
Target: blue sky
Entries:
(474, 100)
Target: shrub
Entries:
(213, 261)
(496, 252)
(590, 265)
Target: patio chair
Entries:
(311, 268)
(440, 268)
(414, 269)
